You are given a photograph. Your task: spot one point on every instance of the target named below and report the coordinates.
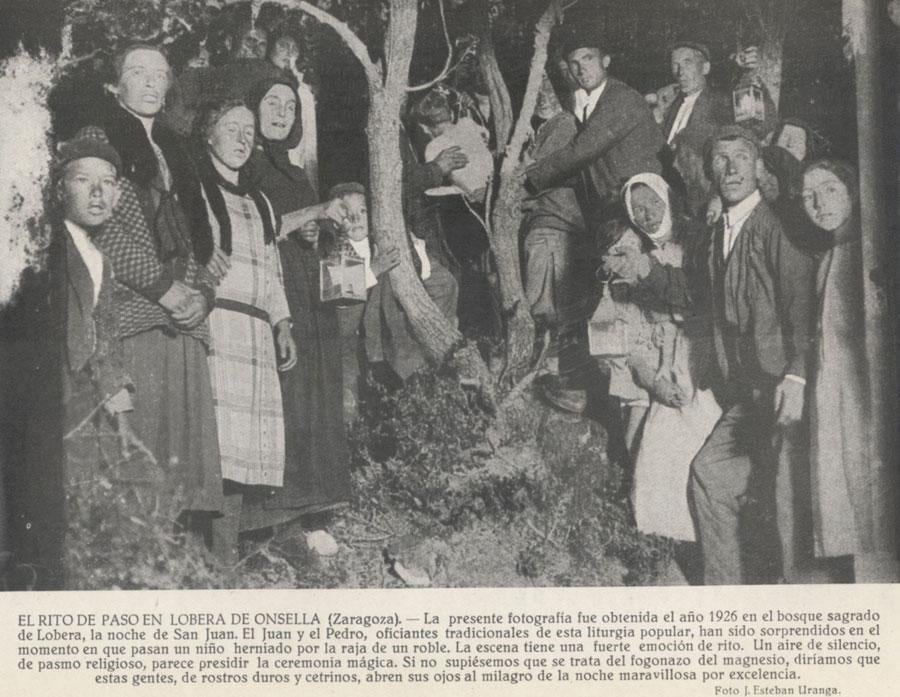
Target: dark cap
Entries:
(582, 36)
(345, 189)
(697, 46)
(728, 132)
(90, 141)
(733, 132)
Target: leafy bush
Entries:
(425, 447)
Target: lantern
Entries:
(342, 278)
(749, 104)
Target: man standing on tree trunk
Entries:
(616, 138)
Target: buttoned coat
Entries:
(711, 110)
(618, 140)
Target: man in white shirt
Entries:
(758, 291)
(88, 190)
(615, 138)
(692, 119)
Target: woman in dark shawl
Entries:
(317, 475)
(780, 187)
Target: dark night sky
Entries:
(34, 22)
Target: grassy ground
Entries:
(445, 494)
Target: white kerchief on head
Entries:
(659, 186)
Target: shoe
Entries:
(553, 391)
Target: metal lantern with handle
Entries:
(342, 278)
(749, 104)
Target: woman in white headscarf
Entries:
(681, 416)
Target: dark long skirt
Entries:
(173, 414)
(316, 472)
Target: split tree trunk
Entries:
(506, 216)
(387, 91)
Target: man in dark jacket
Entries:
(616, 138)
(694, 117)
(757, 291)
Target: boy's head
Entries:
(432, 112)
(353, 195)
(87, 178)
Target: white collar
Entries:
(739, 212)
(692, 97)
(583, 99)
(89, 253)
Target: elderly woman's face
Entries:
(647, 207)
(231, 139)
(826, 199)
(277, 112)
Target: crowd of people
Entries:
(707, 284)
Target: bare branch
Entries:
(446, 69)
(501, 103)
(356, 45)
(522, 128)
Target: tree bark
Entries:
(506, 216)
(501, 103)
(387, 93)
(861, 20)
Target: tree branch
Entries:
(501, 103)
(356, 45)
(446, 70)
(536, 71)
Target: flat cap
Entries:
(696, 45)
(90, 141)
(732, 132)
(345, 189)
(581, 36)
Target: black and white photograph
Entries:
(447, 293)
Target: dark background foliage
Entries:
(816, 78)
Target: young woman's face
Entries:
(826, 199)
(277, 112)
(231, 139)
(647, 207)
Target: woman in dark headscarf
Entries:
(844, 484)
(779, 185)
(317, 475)
(800, 139)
